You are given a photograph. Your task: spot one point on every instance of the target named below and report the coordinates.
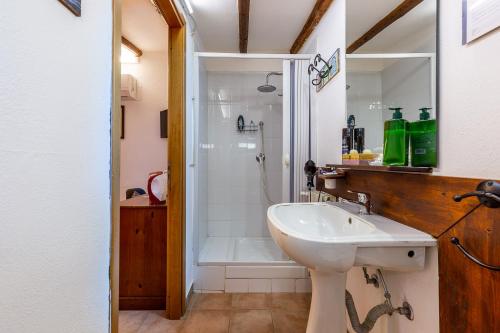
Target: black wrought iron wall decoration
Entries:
(325, 70)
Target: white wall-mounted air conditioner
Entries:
(128, 87)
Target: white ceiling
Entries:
(273, 24)
(143, 26)
(407, 34)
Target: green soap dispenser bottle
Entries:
(423, 140)
(396, 139)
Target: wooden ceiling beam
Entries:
(314, 18)
(244, 13)
(392, 17)
(131, 46)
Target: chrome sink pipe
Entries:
(371, 318)
(377, 311)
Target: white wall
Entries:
(236, 202)
(55, 92)
(330, 102)
(469, 114)
(142, 150)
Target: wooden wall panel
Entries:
(469, 294)
(421, 201)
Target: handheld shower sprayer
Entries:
(261, 157)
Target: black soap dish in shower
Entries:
(240, 125)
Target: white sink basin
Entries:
(329, 239)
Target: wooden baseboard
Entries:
(142, 303)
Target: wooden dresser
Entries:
(143, 231)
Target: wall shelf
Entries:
(383, 168)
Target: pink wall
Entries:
(142, 150)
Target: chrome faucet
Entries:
(364, 199)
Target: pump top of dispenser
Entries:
(351, 121)
(424, 113)
(397, 113)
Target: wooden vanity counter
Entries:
(143, 234)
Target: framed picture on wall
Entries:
(75, 6)
(122, 133)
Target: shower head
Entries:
(267, 88)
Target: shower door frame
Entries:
(282, 56)
(290, 104)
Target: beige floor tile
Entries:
(156, 322)
(191, 302)
(131, 321)
(291, 302)
(251, 301)
(251, 321)
(221, 313)
(289, 322)
(211, 302)
(206, 321)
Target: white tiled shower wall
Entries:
(236, 201)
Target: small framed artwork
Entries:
(479, 17)
(122, 133)
(75, 6)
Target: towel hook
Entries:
(488, 193)
(322, 74)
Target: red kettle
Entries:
(157, 188)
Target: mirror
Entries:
(391, 77)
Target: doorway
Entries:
(174, 237)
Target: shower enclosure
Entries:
(245, 151)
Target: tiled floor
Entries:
(234, 313)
